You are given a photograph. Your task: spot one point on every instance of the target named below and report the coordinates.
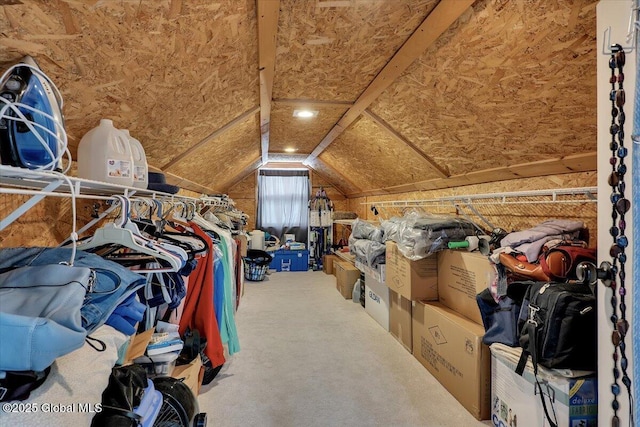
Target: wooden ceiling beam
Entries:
(393, 133)
(216, 133)
(267, 11)
(445, 14)
(586, 162)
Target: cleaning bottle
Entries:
(104, 154)
(140, 166)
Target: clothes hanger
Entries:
(116, 236)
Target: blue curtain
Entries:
(283, 196)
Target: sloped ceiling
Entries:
(410, 94)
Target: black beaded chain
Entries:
(620, 206)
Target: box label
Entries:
(464, 280)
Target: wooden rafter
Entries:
(268, 11)
(431, 28)
(233, 123)
(586, 162)
(393, 133)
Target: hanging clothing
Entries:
(228, 330)
(218, 287)
(198, 311)
(114, 283)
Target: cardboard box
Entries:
(346, 276)
(378, 273)
(376, 300)
(461, 276)
(414, 280)
(137, 346)
(191, 374)
(400, 319)
(327, 263)
(516, 402)
(450, 347)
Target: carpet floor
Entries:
(311, 358)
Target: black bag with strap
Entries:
(558, 329)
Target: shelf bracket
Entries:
(28, 204)
(469, 206)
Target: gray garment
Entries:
(530, 242)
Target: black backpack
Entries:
(558, 326)
(558, 329)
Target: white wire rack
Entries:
(41, 184)
(558, 195)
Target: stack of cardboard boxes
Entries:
(430, 307)
(433, 313)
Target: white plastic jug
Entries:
(104, 154)
(140, 166)
(257, 239)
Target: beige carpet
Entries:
(311, 358)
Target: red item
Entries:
(199, 312)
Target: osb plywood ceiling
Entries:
(410, 94)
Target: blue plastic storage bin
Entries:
(284, 260)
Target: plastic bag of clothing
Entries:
(420, 235)
(365, 230)
(368, 251)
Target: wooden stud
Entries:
(267, 11)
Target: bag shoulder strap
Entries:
(552, 422)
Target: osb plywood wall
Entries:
(319, 55)
(515, 214)
(495, 90)
(158, 69)
(491, 92)
(216, 163)
(365, 153)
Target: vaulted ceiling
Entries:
(410, 94)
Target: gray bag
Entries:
(40, 314)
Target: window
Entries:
(283, 196)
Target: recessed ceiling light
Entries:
(290, 150)
(305, 114)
